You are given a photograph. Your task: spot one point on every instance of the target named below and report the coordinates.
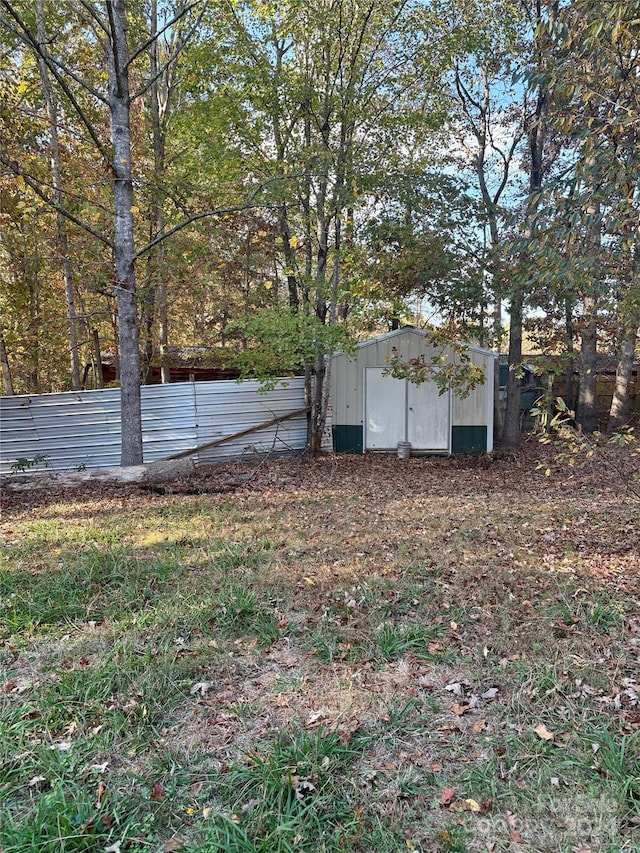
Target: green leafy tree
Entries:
(101, 101)
(602, 56)
(490, 47)
(583, 255)
(332, 90)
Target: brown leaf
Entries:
(513, 822)
(543, 732)
(173, 844)
(158, 792)
(447, 796)
(460, 709)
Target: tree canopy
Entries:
(267, 182)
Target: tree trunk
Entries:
(314, 434)
(497, 405)
(7, 383)
(314, 441)
(154, 473)
(511, 427)
(61, 224)
(159, 104)
(314, 437)
(333, 319)
(549, 399)
(619, 411)
(537, 137)
(620, 404)
(147, 311)
(34, 322)
(586, 409)
(569, 395)
(99, 377)
(479, 121)
(163, 329)
(498, 425)
(124, 252)
(289, 259)
(282, 138)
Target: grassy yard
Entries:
(357, 654)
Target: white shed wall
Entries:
(477, 408)
(348, 371)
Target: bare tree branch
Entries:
(114, 53)
(36, 186)
(207, 214)
(91, 11)
(178, 50)
(95, 93)
(155, 36)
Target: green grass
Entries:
(312, 671)
(58, 821)
(618, 761)
(238, 611)
(289, 795)
(393, 640)
(95, 584)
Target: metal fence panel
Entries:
(75, 430)
(168, 419)
(18, 431)
(81, 429)
(225, 408)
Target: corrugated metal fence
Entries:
(81, 429)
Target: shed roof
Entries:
(418, 332)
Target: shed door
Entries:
(385, 410)
(429, 418)
(396, 410)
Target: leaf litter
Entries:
(513, 568)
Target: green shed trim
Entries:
(347, 438)
(468, 439)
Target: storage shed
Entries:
(372, 411)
